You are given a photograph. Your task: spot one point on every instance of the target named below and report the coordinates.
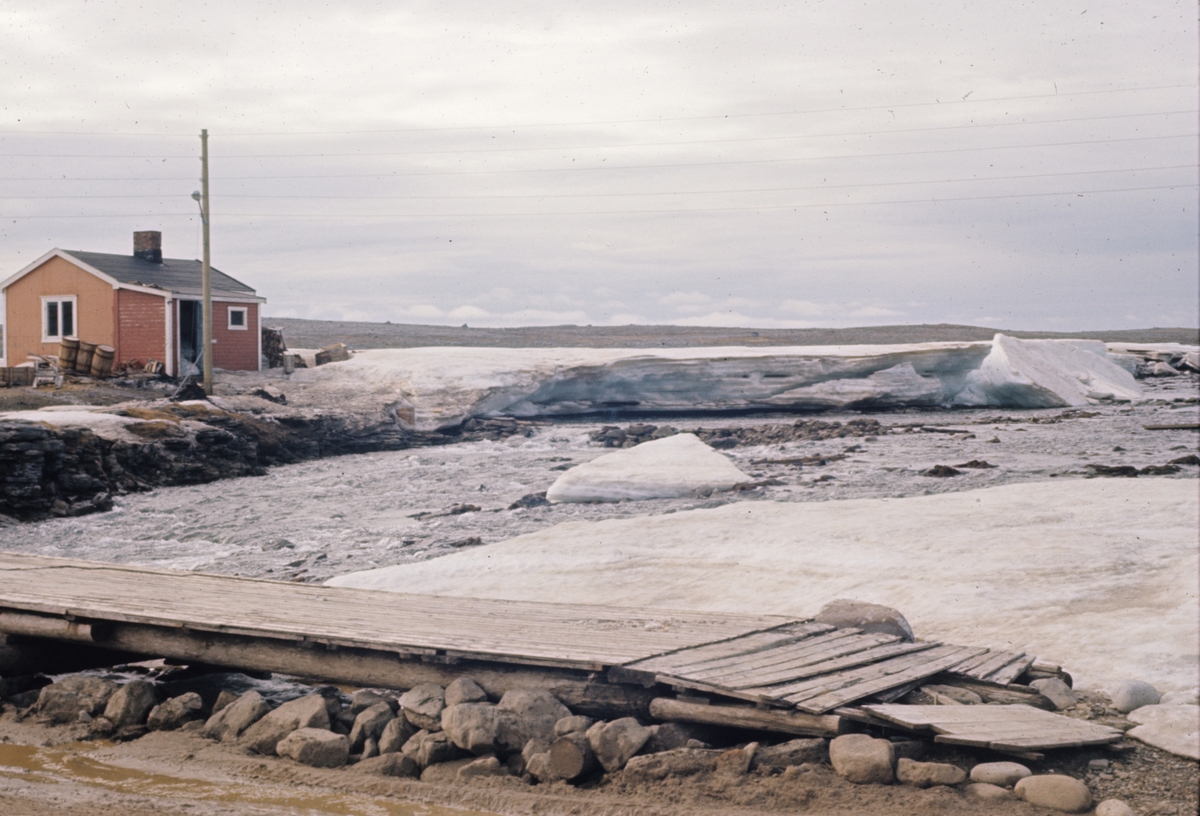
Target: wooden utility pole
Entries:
(206, 269)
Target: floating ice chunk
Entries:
(1032, 566)
(660, 469)
(1047, 374)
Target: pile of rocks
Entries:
(802, 430)
(459, 731)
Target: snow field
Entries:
(1099, 575)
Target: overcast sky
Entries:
(1017, 164)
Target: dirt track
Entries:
(43, 770)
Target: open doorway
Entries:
(191, 329)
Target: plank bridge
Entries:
(596, 659)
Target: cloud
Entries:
(623, 161)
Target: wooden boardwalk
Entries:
(536, 634)
(770, 660)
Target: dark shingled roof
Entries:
(173, 274)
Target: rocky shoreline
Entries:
(48, 471)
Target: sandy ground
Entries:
(45, 770)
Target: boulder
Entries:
(1056, 691)
(423, 705)
(304, 712)
(61, 702)
(484, 766)
(369, 725)
(1113, 807)
(1056, 792)
(793, 752)
(363, 699)
(862, 759)
(225, 698)
(316, 747)
(131, 703)
(678, 762)
(526, 715)
(928, 774)
(517, 762)
(615, 742)
(573, 724)
(390, 764)
(869, 617)
(474, 727)
(538, 766)
(229, 723)
(1004, 774)
(430, 748)
(1130, 695)
(464, 690)
(668, 736)
(370, 749)
(986, 791)
(736, 761)
(176, 712)
(445, 773)
(397, 732)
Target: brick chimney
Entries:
(148, 246)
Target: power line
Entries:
(633, 194)
(685, 143)
(638, 166)
(591, 123)
(932, 200)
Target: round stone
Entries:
(1056, 792)
(1004, 774)
(1130, 695)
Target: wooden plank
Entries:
(995, 661)
(812, 687)
(967, 665)
(1005, 675)
(732, 648)
(866, 656)
(783, 722)
(771, 662)
(774, 655)
(878, 677)
(1013, 729)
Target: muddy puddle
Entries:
(72, 763)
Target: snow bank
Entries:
(439, 387)
(1099, 574)
(1174, 728)
(659, 469)
(109, 426)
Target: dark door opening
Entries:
(191, 341)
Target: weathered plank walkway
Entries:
(383, 638)
(535, 634)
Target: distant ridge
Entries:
(300, 333)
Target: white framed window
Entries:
(58, 317)
(237, 318)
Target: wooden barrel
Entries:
(83, 360)
(68, 350)
(102, 361)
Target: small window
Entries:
(237, 317)
(58, 317)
